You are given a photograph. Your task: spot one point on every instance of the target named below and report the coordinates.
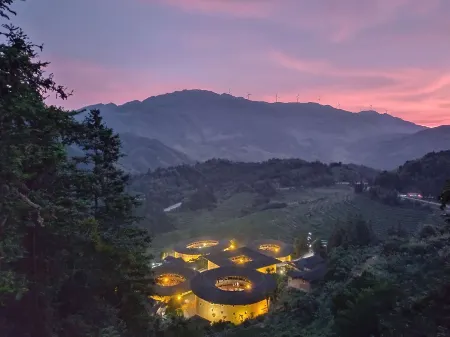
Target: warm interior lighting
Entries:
(169, 280)
(179, 297)
(270, 247)
(202, 244)
(233, 283)
(241, 259)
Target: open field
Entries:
(316, 210)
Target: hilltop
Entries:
(225, 178)
(401, 148)
(204, 125)
(426, 175)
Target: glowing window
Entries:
(241, 259)
(169, 280)
(202, 244)
(270, 247)
(234, 283)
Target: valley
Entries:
(316, 210)
(197, 213)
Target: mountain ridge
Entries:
(203, 125)
(226, 95)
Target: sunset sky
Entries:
(391, 54)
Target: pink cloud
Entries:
(417, 95)
(320, 67)
(93, 83)
(413, 94)
(425, 112)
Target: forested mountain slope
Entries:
(206, 125)
(426, 175)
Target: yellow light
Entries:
(232, 247)
(248, 286)
(179, 297)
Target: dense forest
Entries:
(395, 288)
(426, 175)
(74, 260)
(169, 185)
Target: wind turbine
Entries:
(371, 107)
(276, 98)
(339, 105)
(229, 91)
(298, 97)
(248, 96)
(318, 99)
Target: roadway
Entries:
(422, 201)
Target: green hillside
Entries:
(315, 209)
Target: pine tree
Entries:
(122, 244)
(33, 157)
(72, 261)
(444, 198)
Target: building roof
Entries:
(316, 274)
(308, 262)
(173, 260)
(258, 260)
(285, 248)
(169, 258)
(181, 247)
(173, 268)
(204, 286)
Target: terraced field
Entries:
(315, 210)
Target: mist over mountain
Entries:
(396, 150)
(203, 125)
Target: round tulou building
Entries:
(192, 249)
(232, 293)
(235, 285)
(172, 280)
(273, 248)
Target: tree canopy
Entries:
(72, 260)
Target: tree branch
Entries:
(38, 218)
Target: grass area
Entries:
(316, 210)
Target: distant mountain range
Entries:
(196, 125)
(387, 153)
